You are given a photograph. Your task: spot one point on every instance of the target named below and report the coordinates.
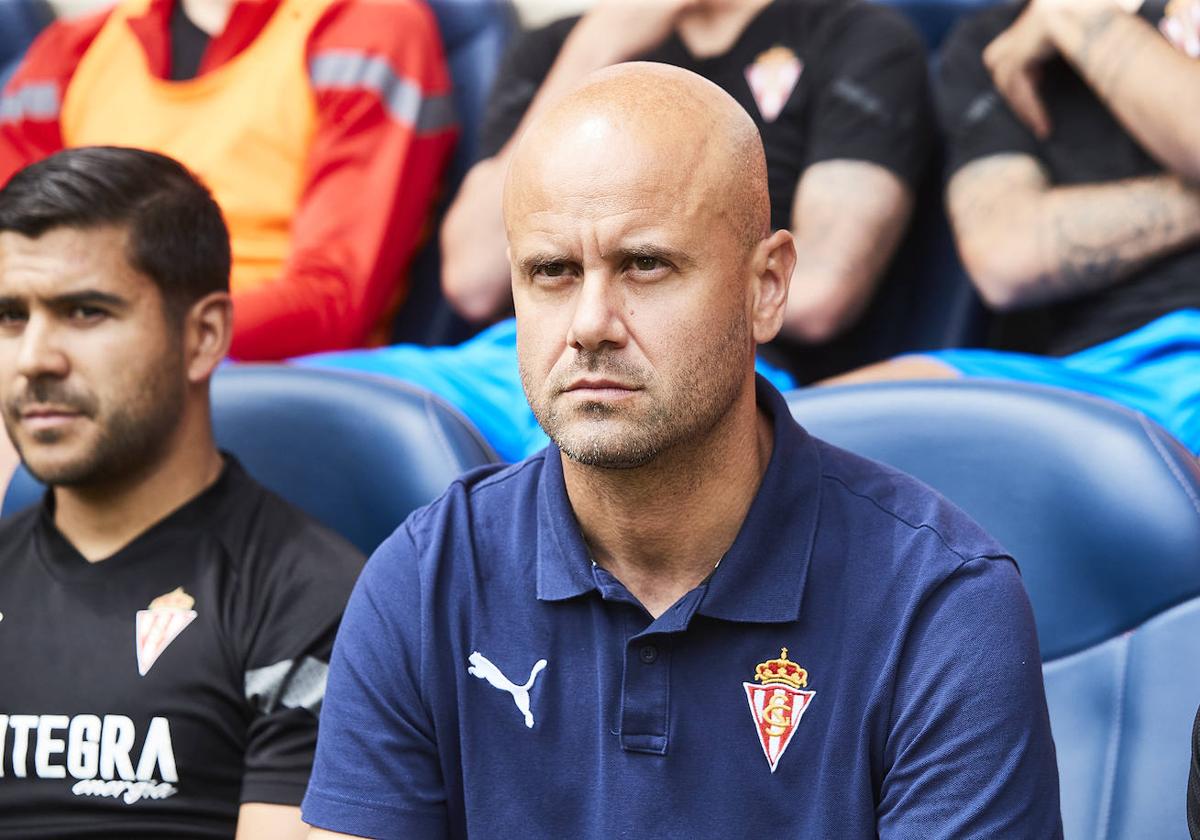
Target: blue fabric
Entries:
(489, 679)
(478, 377)
(1154, 370)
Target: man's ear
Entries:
(773, 263)
(208, 330)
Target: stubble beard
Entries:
(700, 397)
(131, 437)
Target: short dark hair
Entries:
(177, 236)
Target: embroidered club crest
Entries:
(772, 78)
(167, 617)
(778, 704)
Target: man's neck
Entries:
(712, 27)
(662, 528)
(100, 521)
(210, 16)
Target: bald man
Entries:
(686, 617)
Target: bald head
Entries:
(643, 267)
(663, 126)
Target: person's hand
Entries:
(1015, 60)
(625, 29)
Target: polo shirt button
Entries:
(648, 654)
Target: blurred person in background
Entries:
(165, 622)
(837, 90)
(839, 94)
(321, 126)
(1075, 156)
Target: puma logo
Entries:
(482, 668)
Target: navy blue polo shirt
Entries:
(862, 663)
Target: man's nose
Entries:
(598, 320)
(39, 352)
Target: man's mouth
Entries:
(39, 418)
(598, 387)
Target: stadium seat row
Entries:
(1100, 507)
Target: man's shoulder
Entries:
(260, 530)
(16, 527)
(872, 493)
(488, 504)
(491, 493)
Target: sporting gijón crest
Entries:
(778, 704)
(167, 617)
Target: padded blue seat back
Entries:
(357, 452)
(1101, 509)
(1098, 505)
(1122, 715)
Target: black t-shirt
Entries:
(188, 43)
(861, 94)
(1087, 146)
(150, 694)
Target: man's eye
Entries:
(646, 263)
(11, 317)
(551, 271)
(86, 313)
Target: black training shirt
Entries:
(862, 94)
(1087, 146)
(150, 694)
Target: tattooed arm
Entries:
(847, 218)
(1025, 242)
(1152, 87)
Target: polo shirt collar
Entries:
(760, 579)
(564, 565)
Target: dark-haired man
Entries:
(686, 618)
(164, 621)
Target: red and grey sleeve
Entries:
(31, 105)
(385, 131)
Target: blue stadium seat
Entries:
(20, 23)
(475, 34)
(1101, 508)
(357, 452)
